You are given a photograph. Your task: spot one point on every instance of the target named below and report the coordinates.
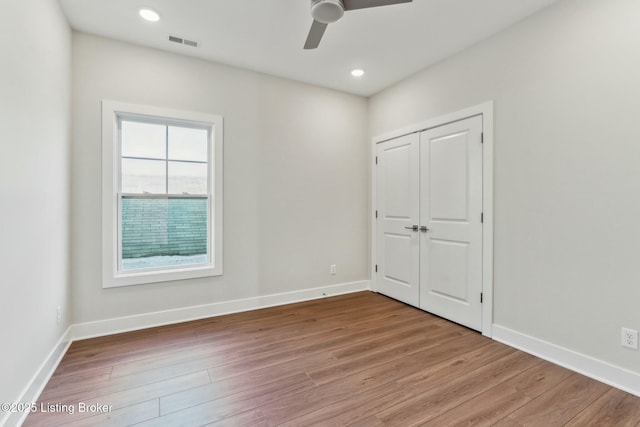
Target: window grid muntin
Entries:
(166, 123)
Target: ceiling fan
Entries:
(325, 12)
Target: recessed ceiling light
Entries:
(149, 15)
(357, 72)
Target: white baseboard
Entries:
(39, 380)
(160, 318)
(599, 370)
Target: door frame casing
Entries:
(485, 110)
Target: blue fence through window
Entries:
(164, 227)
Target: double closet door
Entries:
(429, 220)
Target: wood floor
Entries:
(359, 359)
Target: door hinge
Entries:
(481, 297)
(376, 214)
(376, 268)
(481, 137)
(481, 217)
(376, 160)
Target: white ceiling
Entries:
(389, 43)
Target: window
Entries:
(162, 194)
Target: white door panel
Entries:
(398, 211)
(397, 260)
(450, 208)
(448, 177)
(397, 188)
(446, 276)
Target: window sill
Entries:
(157, 276)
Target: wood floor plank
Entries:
(147, 343)
(434, 364)
(506, 397)
(359, 359)
(427, 405)
(307, 359)
(101, 387)
(118, 399)
(507, 422)
(232, 388)
(227, 406)
(615, 408)
(73, 383)
(370, 421)
(148, 371)
(226, 353)
(561, 403)
(339, 390)
(253, 418)
(352, 409)
(368, 358)
(457, 362)
(128, 415)
(283, 354)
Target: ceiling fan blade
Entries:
(363, 4)
(315, 35)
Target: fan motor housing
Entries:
(327, 11)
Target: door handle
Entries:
(413, 228)
(424, 229)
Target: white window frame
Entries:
(112, 276)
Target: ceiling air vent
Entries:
(183, 41)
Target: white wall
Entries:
(295, 176)
(35, 73)
(567, 167)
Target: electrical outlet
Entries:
(332, 270)
(59, 315)
(629, 338)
